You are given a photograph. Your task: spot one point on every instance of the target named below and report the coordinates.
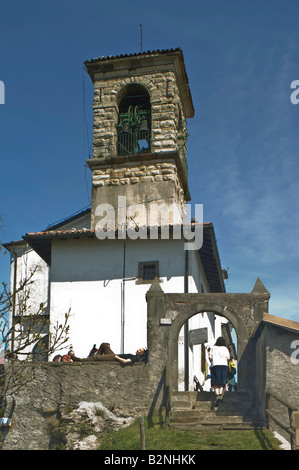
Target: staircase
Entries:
(195, 411)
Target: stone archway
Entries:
(168, 312)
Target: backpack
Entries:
(231, 369)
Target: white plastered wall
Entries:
(87, 277)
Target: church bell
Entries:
(143, 126)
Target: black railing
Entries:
(133, 143)
(134, 131)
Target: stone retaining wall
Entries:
(125, 390)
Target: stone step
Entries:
(205, 406)
(182, 404)
(214, 421)
(214, 426)
(201, 399)
(211, 416)
(202, 414)
(196, 410)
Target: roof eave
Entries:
(41, 242)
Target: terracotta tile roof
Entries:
(59, 233)
(280, 321)
(75, 233)
(136, 54)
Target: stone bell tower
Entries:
(141, 103)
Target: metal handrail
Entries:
(285, 428)
(291, 430)
(281, 400)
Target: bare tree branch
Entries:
(30, 336)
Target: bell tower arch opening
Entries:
(134, 120)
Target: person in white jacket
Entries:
(219, 357)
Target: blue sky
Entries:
(241, 57)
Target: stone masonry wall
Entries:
(60, 389)
(277, 371)
(282, 374)
(282, 371)
(131, 174)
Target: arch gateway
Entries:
(167, 313)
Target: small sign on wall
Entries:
(165, 321)
(198, 336)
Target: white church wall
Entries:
(87, 276)
(94, 312)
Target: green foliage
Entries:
(99, 412)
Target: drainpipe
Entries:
(123, 311)
(123, 305)
(122, 320)
(186, 325)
